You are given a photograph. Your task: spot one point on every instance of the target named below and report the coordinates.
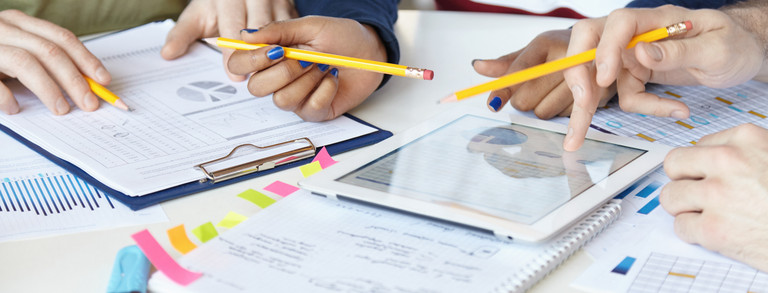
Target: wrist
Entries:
(752, 17)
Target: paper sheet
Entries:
(305, 243)
(38, 199)
(187, 112)
(645, 231)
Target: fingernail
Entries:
(577, 91)
(475, 60)
(102, 75)
(322, 67)
(90, 101)
(11, 108)
(304, 64)
(276, 53)
(335, 72)
(495, 104)
(654, 51)
(249, 30)
(677, 114)
(62, 107)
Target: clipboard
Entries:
(210, 178)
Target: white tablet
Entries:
(505, 174)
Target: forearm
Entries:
(752, 16)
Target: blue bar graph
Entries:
(650, 206)
(624, 266)
(649, 189)
(47, 194)
(629, 190)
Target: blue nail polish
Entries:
(495, 103)
(335, 72)
(249, 30)
(322, 67)
(304, 64)
(276, 53)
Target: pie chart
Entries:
(206, 91)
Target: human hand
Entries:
(719, 193)
(312, 91)
(717, 52)
(211, 18)
(548, 96)
(46, 58)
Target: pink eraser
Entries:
(688, 25)
(429, 74)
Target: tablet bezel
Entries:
(325, 182)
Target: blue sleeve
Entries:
(690, 4)
(379, 14)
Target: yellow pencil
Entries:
(106, 95)
(330, 59)
(561, 64)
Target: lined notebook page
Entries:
(306, 243)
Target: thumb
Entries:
(672, 54)
(181, 36)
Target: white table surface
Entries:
(445, 42)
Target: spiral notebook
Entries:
(306, 243)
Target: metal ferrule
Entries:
(676, 29)
(414, 72)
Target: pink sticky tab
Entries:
(162, 261)
(324, 158)
(280, 188)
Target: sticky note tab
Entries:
(310, 169)
(179, 239)
(324, 158)
(162, 261)
(281, 188)
(130, 272)
(205, 232)
(231, 220)
(257, 198)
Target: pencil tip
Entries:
(448, 99)
(120, 104)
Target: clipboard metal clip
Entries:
(248, 158)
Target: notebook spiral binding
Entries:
(568, 243)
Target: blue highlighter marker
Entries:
(130, 272)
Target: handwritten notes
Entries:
(162, 261)
(306, 243)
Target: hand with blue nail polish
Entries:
(315, 92)
(211, 18)
(547, 96)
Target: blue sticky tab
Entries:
(130, 272)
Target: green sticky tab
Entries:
(310, 169)
(231, 220)
(205, 232)
(257, 198)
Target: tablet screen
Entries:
(492, 167)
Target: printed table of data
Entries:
(666, 273)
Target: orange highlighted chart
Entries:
(711, 110)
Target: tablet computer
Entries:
(503, 173)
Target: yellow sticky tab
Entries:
(205, 232)
(257, 198)
(231, 220)
(310, 169)
(179, 239)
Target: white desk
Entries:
(445, 42)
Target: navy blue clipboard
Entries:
(140, 202)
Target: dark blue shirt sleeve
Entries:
(690, 4)
(379, 14)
